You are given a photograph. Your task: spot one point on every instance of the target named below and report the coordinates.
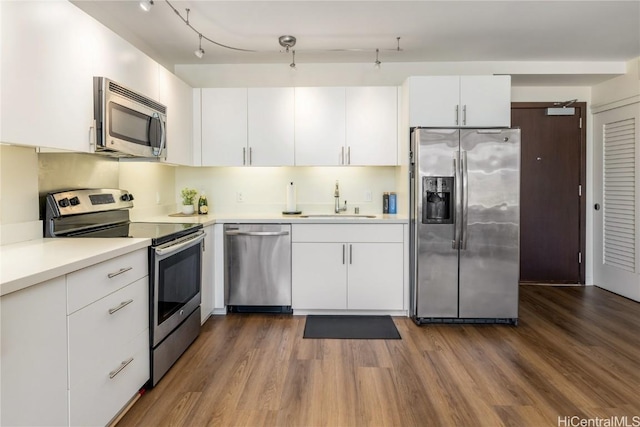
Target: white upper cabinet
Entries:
(178, 97)
(47, 85)
(47, 73)
(434, 101)
(270, 126)
(346, 126)
(372, 126)
(319, 126)
(224, 127)
(486, 101)
(459, 101)
(118, 60)
(247, 127)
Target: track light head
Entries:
(199, 52)
(377, 63)
(146, 5)
(293, 61)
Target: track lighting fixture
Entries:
(287, 41)
(200, 52)
(146, 5)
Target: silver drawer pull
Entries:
(122, 305)
(120, 368)
(119, 272)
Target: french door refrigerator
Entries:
(465, 218)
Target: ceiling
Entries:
(350, 31)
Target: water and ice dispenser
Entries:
(437, 200)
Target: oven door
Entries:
(176, 283)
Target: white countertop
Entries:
(28, 263)
(280, 218)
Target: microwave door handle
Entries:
(163, 137)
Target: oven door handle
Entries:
(171, 249)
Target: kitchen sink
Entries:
(337, 216)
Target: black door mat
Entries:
(351, 327)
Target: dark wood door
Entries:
(551, 201)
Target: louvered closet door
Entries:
(616, 189)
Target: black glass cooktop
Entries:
(159, 232)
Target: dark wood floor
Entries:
(576, 352)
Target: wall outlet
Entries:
(367, 196)
(239, 197)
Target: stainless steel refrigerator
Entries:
(465, 219)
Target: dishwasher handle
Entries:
(256, 233)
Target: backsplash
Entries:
(255, 190)
(62, 171)
(27, 175)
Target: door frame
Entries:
(582, 106)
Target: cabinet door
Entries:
(485, 101)
(271, 128)
(207, 304)
(47, 94)
(34, 355)
(178, 97)
(372, 126)
(434, 101)
(224, 127)
(319, 276)
(375, 276)
(319, 126)
(117, 59)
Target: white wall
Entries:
(619, 89)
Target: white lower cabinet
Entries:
(34, 356)
(108, 340)
(319, 276)
(375, 276)
(75, 349)
(207, 291)
(347, 267)
(111, 384)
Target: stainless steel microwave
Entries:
(127, 123)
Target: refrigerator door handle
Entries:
(465, 200)
(457, 223)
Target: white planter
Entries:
(187, 209)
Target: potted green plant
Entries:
(188, 199)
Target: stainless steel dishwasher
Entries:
(257, 272)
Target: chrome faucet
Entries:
(336, 195)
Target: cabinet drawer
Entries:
(99, 398)
(96, 330)
(92, 283)
(384, 233)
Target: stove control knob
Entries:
(124, 197)
(130, 196)
(74, 201)
(63, 203)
